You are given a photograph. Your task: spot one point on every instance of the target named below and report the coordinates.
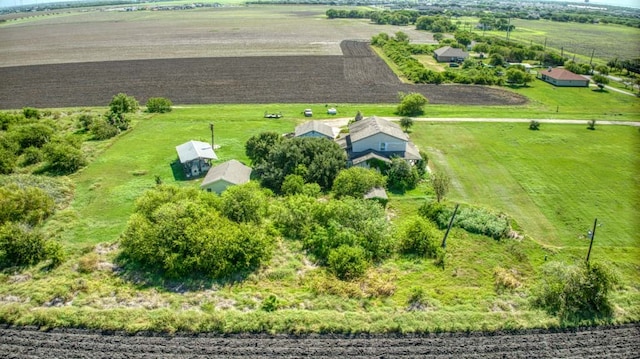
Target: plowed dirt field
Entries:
(617, 342)
(359, 76)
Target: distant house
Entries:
(315, 129)
(450, 54)
(224, 175)
(195, 157)
(562, 77)
(377, 139)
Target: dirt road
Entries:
(615, 342)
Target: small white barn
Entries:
(227, 174)
(195, 157)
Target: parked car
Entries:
(332, 111)
(308, 113)
(454, 64)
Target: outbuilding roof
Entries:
(192, 150)
(373, 125)
(562, 74)
(232, 171)
(317, 126)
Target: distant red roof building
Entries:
(562, 77)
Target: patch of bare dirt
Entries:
(359, 77)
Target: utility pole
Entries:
(211, 128)
(592, 234)
(444, 240)
(591, 61)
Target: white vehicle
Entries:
(308, 113)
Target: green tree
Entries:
(29, 205)
(420, 237)
(293, 184)
(121, 104)
(258, 146)
(320, 158)
(515, 76)
(32, 135)
(102, 130)
(32, 113)
(20, 245)
(401, 176)
(602, 69)
(8, 160)
(411, 104)
(440, 183)
(347, 262)
(356, 182)
(497, 60)
(64, 158)
(600, 81)
(406, 123)
(244, 203)
(463, 37)
(158, 105)
(576, 291)
(179, 232)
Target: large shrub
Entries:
(419, 236)
(579, 291)
(181, 233)
(159, 105)
(402, 176)
(356, 182)
(20, 245)
(347, 262)
(64, 158)
(244, 203)
(29, 205)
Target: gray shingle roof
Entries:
(232, 171)
(450, 52)
(374, 125)
(317, 126)
(376, 192)
(192, 150)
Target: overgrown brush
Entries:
(472, 219)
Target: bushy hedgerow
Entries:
(472, 219)
(181, 232)
(579, 291)
(419, 236)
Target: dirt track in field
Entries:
(617, 342)
(359, 76)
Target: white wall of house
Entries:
(218, 186)
(379, 142)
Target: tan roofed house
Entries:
(563, 77)
(227, 174)
(195, 157)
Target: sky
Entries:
(627, 3)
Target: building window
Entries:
(383, 146)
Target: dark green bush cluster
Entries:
(419, 236)
(356, 182)
(472, 219)
(325, 226)
(22, 211)
(182, 232)
(159, 105)
(579, 291)
(27, 141)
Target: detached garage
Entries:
(224, 175)
(563, 78)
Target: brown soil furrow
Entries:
(615, 342)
